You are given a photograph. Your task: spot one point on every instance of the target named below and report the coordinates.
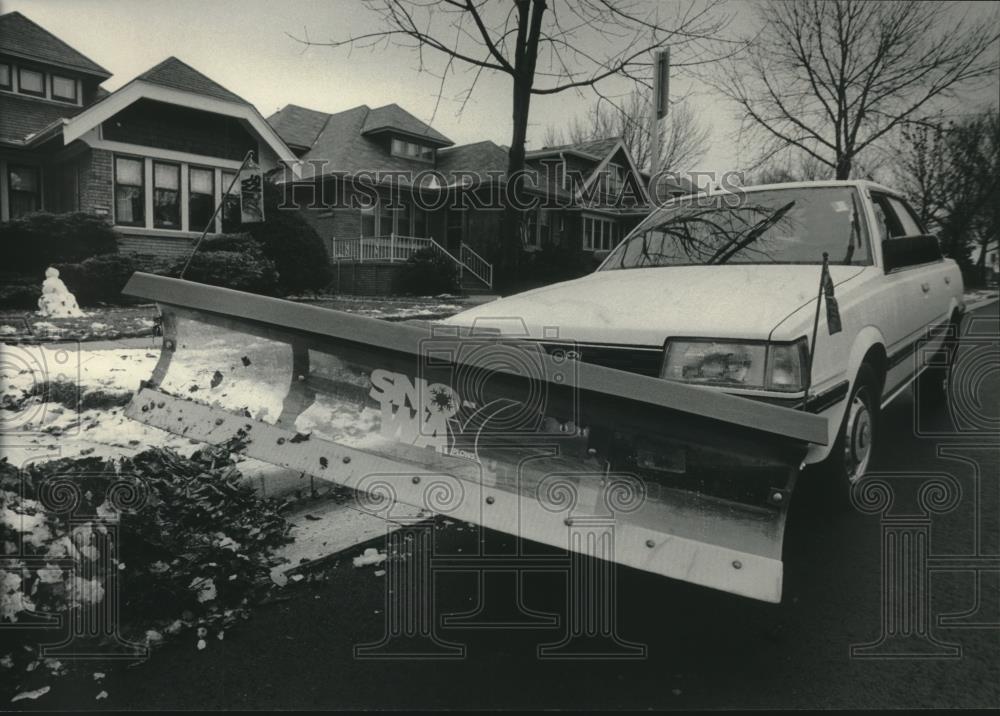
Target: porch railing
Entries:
(477, 265)
(390, 248)
(393, 248)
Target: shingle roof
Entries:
(22, 116)
(341, 141)
(179, 75)
(392, 116)
(298, 126)
(482, 157)
(22, 37)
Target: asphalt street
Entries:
(678, 645)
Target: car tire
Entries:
(933, 384)
(850, 457)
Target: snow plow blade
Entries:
(510, 434)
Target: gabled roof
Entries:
(174, 82)
(392, 117)
(341, 140)
(22, 118)
(22, 37)
(179, 75)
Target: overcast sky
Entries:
(245, 45)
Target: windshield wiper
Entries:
(733, 247)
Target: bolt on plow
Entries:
(511, 434)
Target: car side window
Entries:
(887, 224)
(904, 242)
(907, 219)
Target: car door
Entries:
(912, 265)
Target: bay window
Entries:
(166, 196)
(201, 197)
(130, 194)
(599, 234)
(24, 190)
(6, 81)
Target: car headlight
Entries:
(754, 365)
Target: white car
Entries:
(721, 290)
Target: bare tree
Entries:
(951, 173)
(832, 78)
(570, 45)
(920, 171)
(683, 135)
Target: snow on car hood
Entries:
(645, 306)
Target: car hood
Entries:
(646, 306)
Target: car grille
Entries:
(644, 360)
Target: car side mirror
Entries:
(904, 251)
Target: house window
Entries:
(530, 228)
(24, 190)
(63, 88)
(412, 150)
(31, 82)
(231, 215)
(201, 197)
(130, 196)
(166, 196)
(544, 228)
(615, 179)
(599, 234)
(368, 222)
(5, 76)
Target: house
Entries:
(154, 156)
(379, 184)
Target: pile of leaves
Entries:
(184, 545)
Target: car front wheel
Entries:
(851, 454)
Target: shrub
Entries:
(231, 242)
(37, 241)
(99, 279)
(427, 273)
(299, 254)
(240, 270)
(20, 296)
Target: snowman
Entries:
(56, 300)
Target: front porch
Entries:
(369, 261)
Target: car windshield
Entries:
(769, 226)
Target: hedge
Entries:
(33, 243)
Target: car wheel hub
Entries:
(858, 438)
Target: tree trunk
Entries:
(526, 55)
(844, 166)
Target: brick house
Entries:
(154, 156)
(378, 184)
